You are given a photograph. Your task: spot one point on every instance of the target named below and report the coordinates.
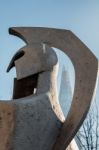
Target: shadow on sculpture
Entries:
(35, 119)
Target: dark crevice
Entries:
(25, 87)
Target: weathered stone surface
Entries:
(37, 116)
(37, 126)
(7, 124)
(37, 58)
(38, 122)
(86, 68)
(72, 146)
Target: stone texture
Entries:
(37, 58)
(38, 117)
(37, 121)
(72, 146)
(86, 68)
(7, 124)
(37, 126)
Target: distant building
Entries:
(65, 93)
(65, 98)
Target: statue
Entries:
(33, 119)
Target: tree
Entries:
(88, 136)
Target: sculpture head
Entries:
(32, 59)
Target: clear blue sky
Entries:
(80, 16)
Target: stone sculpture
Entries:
(33, 119)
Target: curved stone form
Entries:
(36, 110)
(86, 68)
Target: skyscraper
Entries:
(65, 93)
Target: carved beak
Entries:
(18, 55)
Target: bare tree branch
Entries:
(88, 135)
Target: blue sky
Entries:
(81, 17)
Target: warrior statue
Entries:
(33, 119)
